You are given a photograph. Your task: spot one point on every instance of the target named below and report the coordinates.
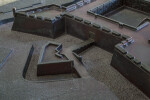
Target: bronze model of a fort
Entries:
(44, 51)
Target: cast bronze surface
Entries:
(54, 67)
(126, 13)
(76, 25)
(130, 51)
